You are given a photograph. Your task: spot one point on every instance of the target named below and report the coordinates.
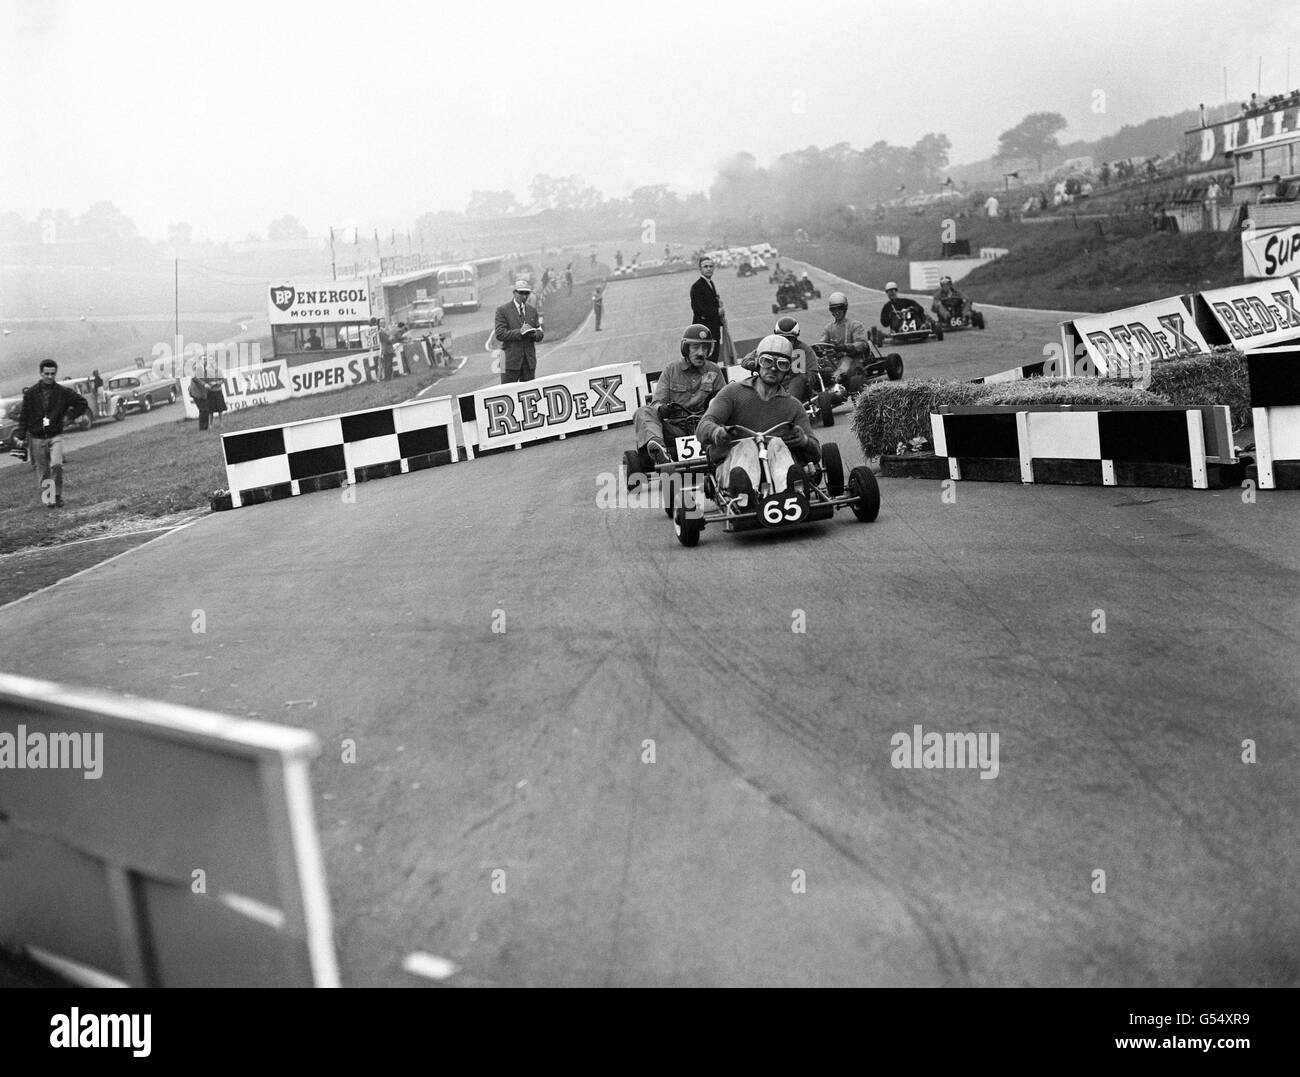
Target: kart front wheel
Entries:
(686, 529)
(938, 332)
(864, 488)
(833, 466)
(776, 308)
(978, 319)
(894, 366)
(826, 408)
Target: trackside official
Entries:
(47, 405)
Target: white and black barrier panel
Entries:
(1275, 408)
(274, 462)
(152, 845)
(1139, 446)
(517, 413)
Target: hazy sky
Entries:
(229, 114)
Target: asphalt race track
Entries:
(770, 841)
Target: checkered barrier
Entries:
(275, 462)
(515, 414)
(1016, 373)
(1274, 378)
(1092, 445)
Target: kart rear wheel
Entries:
(776, 308)
(833, 467)
(938, 332)
(632, 466)
(686, 529)
(894, 366)
(826, 408)
(863, 486)
(978, 319)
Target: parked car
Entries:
(142, 390)
(9, 410)
(113, 406)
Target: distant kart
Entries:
(750, 266)
(809, 291)
(958, 319)
(789, 296)
(807, 498)
(905, 330)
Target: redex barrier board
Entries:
(1256, 314)
(274, 462)
(505, 416)
(1124, 343)
(158, 846)
(1275, 408)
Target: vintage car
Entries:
(142, 390)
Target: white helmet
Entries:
(892, 286)
(779, 348)
(838, 299)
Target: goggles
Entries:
(767, 361)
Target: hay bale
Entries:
(1217, 378)
(892, 411)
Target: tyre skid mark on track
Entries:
(949, 958)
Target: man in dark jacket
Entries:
(519, 330)
(706, 306)
(46, 406)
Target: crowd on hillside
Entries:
(1258, 104)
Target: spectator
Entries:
(39, 434)
(198, 390)
(991, 206)
(706, 304)
(386, 351)
(313, 343)
(568, 279)
(101, 398)
(519, 329)
(618, 259)
(1202, 115)
(216, 399)
(598, 304)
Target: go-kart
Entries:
(750, 266)
(789, 296)
(679, 439)
(809, 292)
(906, 329)
(828, 388)
(960, 316)
(812, 493)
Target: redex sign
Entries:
(1126, 342)
(1267, 312)
(519, 412)
(318, 301)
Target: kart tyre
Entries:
(686, 529)
(826, 408)
(833, 468)
(938, 332)
(894, 366)
(978, 319)
(632, 466)
(863, 486)
(817, 293)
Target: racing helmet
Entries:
(891, 286)
(777, 347)
(838, 299)
(786, 327)
(697, 334)
(944, 280)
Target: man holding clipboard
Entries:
(519, 330)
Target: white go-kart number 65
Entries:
(688, 448)
(786, 508)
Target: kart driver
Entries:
(849, 336)
(759, 404)
(948, 303)
(902, 309)
(802, 365)
(686, 386)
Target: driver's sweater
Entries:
(740, 405)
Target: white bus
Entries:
(457, 288)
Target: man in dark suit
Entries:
(519, 330)
(706, 307)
